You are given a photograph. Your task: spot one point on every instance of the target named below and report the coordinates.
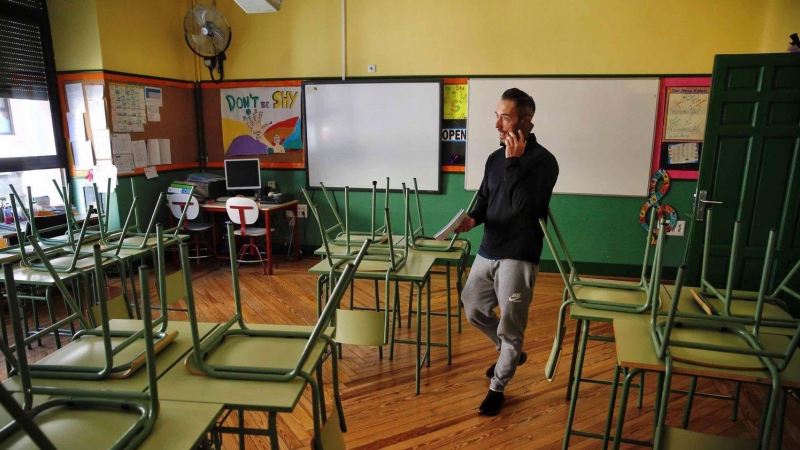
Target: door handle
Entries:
(702, 201)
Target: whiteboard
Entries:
(599, 129)
(360, 132)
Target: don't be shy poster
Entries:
(261, 121)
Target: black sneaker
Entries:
(522, 358)
(492, 403)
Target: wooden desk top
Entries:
(180, 385)
(88, 351)
(179, 426)
(417, 267)
(215, 206)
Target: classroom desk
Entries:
(89, 351)
(417, 271)
(632, 331)
(245, 395)
(268, 208)
(180, 425)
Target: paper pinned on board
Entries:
(139, 154)
(75, 98)
(451, 227)
(150, 172)
(101, 173)
(152, 96)
(153, 113)
(124, 163)
(166, 152)
(82, 155)
(97, 114)
(94, 92)
(153, 152)
(121, 144)
(77, 129)
(102, 144)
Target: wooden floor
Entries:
(382, 411)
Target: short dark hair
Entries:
(526, 107)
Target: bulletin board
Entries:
(177, 122)
(682, 111)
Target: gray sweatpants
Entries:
(509, 284)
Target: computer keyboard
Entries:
(225, 199)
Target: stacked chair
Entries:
(284, 355)
(52, 417)
(598, 300)
(729, 303)
(458, 247)
(339, 232)
(722, 347)
(359, 326)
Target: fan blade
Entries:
(219, 38)
(200, 15)
(203, 45)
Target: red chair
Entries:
(244, 211)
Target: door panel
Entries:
(751, 163)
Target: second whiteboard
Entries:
(599, 129)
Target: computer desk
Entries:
(268, 208)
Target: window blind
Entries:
(27, 72)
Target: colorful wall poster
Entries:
(261, 120)
(454, 124)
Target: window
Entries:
(6, 125)
(30, 127)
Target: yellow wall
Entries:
(302, 40)
(76, 37)
(426, 37)
(783, 19)
(145, 37)
(548, 37)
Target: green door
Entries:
(751, 164)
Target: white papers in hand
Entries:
(451, 227)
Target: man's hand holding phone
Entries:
(515, 142)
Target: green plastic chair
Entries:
(597, 294)
(360, 326)
(376, 234)
(41, 422)
(419, 233)
(113, 341)
(309, 360)
(132, 236)
(732, 303)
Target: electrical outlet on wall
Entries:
(679, 230)
(272, 185)
(302, 210)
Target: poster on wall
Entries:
(261, 121)
(454, 125)
(687, 108)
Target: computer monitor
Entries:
(243, 174)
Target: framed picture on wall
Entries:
(682, 111)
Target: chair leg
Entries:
(571, 378)
(576, 385)
(197, 248)
(687, 412)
